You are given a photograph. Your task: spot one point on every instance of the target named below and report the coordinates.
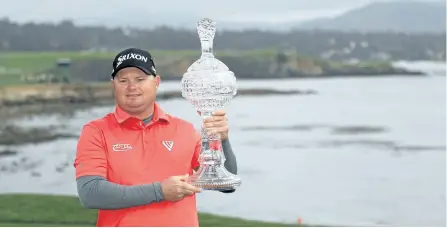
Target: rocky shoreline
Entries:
(328, 76)
(42, 94)
(29, 100)
(11, 135)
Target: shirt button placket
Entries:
(143, 135)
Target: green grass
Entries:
(33, 61)
(48, 210)
(40, 225)
(29, 62)
(23, 63)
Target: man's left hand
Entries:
(217, 124)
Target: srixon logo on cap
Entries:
(131, 56)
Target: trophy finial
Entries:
(206, 29)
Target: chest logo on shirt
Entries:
(168, 145)
(121, 147)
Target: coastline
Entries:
(28, 99)
(26, 94)
(405, 74)
(247, 65)
(96, 93)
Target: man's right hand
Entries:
(175, 188)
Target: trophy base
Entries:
(215, 179)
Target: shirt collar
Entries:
(121, 116)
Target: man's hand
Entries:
(175, 188)
(217, 124)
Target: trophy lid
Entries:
(210, 73)
(206, 29)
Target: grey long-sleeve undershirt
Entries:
(95, 192)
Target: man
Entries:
(132, 164)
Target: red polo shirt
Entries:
(125, 151)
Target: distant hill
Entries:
(330, 45)
(403, 16)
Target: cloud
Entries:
(55, 10)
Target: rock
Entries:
(35, 174)
(354, 130)
(14, 135)
(4, 153)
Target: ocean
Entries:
(360, 152)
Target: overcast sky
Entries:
(228, 10)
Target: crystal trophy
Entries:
(209, 85)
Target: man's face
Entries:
(134, 90)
